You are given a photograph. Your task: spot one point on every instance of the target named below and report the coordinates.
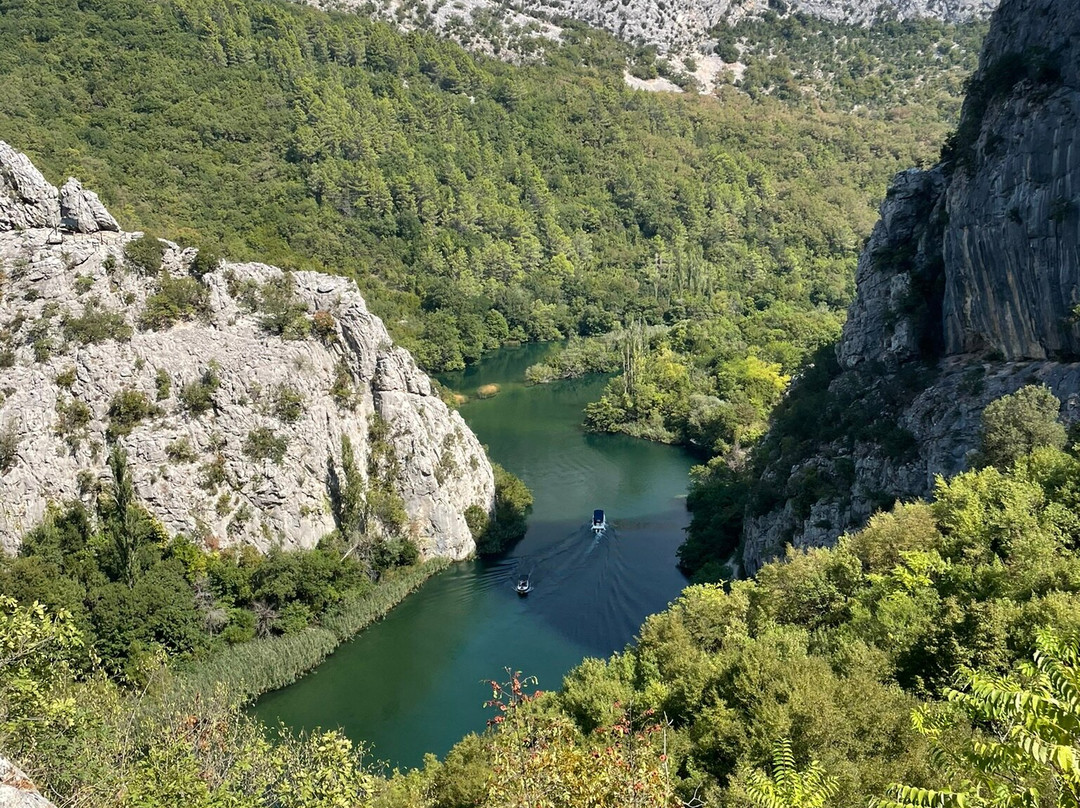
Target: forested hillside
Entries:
(474, 201)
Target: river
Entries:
(414, 683)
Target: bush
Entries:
(204, 262)
(508, 523)
(181, 450)
(66, 378)
(9, 446)
(175, 299)
(241, 627)
(477, 519)
(73, 418)
(288, 404)
(263, 444)
(197, 397)
(212, 474)
(96, 325)
(126, 410)
(1015, 424)
(144, 255)
(162, 384)
(284, 315)
(325, 326)
(342, 390)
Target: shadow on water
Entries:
(414, 683)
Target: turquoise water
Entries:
(414, 683)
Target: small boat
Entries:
(599, 524)
(524, 586)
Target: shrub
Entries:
(96, 325)
(204, 262)
(126, 410)
(245, 292)
(162, 384)
(342, 388)
(284, 315)
(288, 403)
(9, 446)
(325, 326)
(263, 444)
(212, 474)
(513, 503)
(1015, 424)
(144, 255)
(241, 627)
(477, 519)
(181, 450)
(175, 299)
(197, 397)
(66, 378)
(73, 418)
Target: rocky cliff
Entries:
(968, 289)
(512, 30)
(231, 386)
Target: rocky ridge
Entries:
(517, 30)
(237, 436)
(968, 289)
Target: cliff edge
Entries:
(230, 386)
(968, 289)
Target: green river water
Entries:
(414, 683)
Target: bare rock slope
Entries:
(234, 434)
(513, 30)
(968, 289)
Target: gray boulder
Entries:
(82, 212)
(26, 199)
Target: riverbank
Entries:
(249, 669)
(433, 655)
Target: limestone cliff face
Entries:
(510, 30)
(202, 470)
(967, 290)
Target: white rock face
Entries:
(81, 211)
(191, 470)
(511, 31)
(16, 790)
(26, 199)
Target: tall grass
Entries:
(252, 668)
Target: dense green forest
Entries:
(474, 201)
(897, 661)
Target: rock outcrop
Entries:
(233, 426)
(511, 31)
(968, 289)
(82, 212)
(16, 790)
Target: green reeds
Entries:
(252, 668)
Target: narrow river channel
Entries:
(414, 683)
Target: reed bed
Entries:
(252, 668)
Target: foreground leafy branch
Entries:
(1026, 752)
